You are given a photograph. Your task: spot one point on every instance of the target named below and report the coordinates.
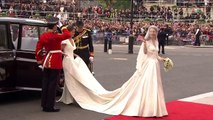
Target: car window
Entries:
(42, 30)
(14, 28)
(29, 37)
(3, 37)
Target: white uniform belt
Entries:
(50, 52)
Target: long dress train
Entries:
(141, 95)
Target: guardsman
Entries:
(84, 44)
(51, 62)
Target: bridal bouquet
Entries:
(168, 64)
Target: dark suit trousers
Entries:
(49, 83)
(161, 45)
(197, 42)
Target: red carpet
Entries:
(178, 110)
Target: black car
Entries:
(18, 67)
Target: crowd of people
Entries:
(181, 31)
(80, 85)
(25, 8)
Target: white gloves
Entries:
(41, 67)
(91, 59)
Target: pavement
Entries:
(190, 80)
(201, 46)
(206, 98)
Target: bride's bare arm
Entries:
(161, 58)
(145, 47)
(63, 46)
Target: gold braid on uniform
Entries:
(77, 40)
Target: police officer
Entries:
(51, 62)
(108, 40)
(84, 44)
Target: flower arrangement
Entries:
(168, 64)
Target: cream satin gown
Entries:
(141, 95)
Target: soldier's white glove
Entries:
(41, 67)
(91, 59)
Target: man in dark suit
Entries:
(168, 31)
(197, 36)
(161, 39)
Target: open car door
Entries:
(29, 75)
(7, 60)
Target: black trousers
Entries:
(161, 47)
(197, 42)
(49, 83)
(107, 43)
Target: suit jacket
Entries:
(162, 37)
(197, 34)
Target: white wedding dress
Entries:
(141, 95)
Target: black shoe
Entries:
(51, 110)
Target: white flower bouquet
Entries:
(168, 64)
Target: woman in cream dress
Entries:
(142, 95)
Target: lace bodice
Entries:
(152, 50)
(69, 48)
(152, 53)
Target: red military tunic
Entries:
(51, 41)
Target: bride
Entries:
(142, 95)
